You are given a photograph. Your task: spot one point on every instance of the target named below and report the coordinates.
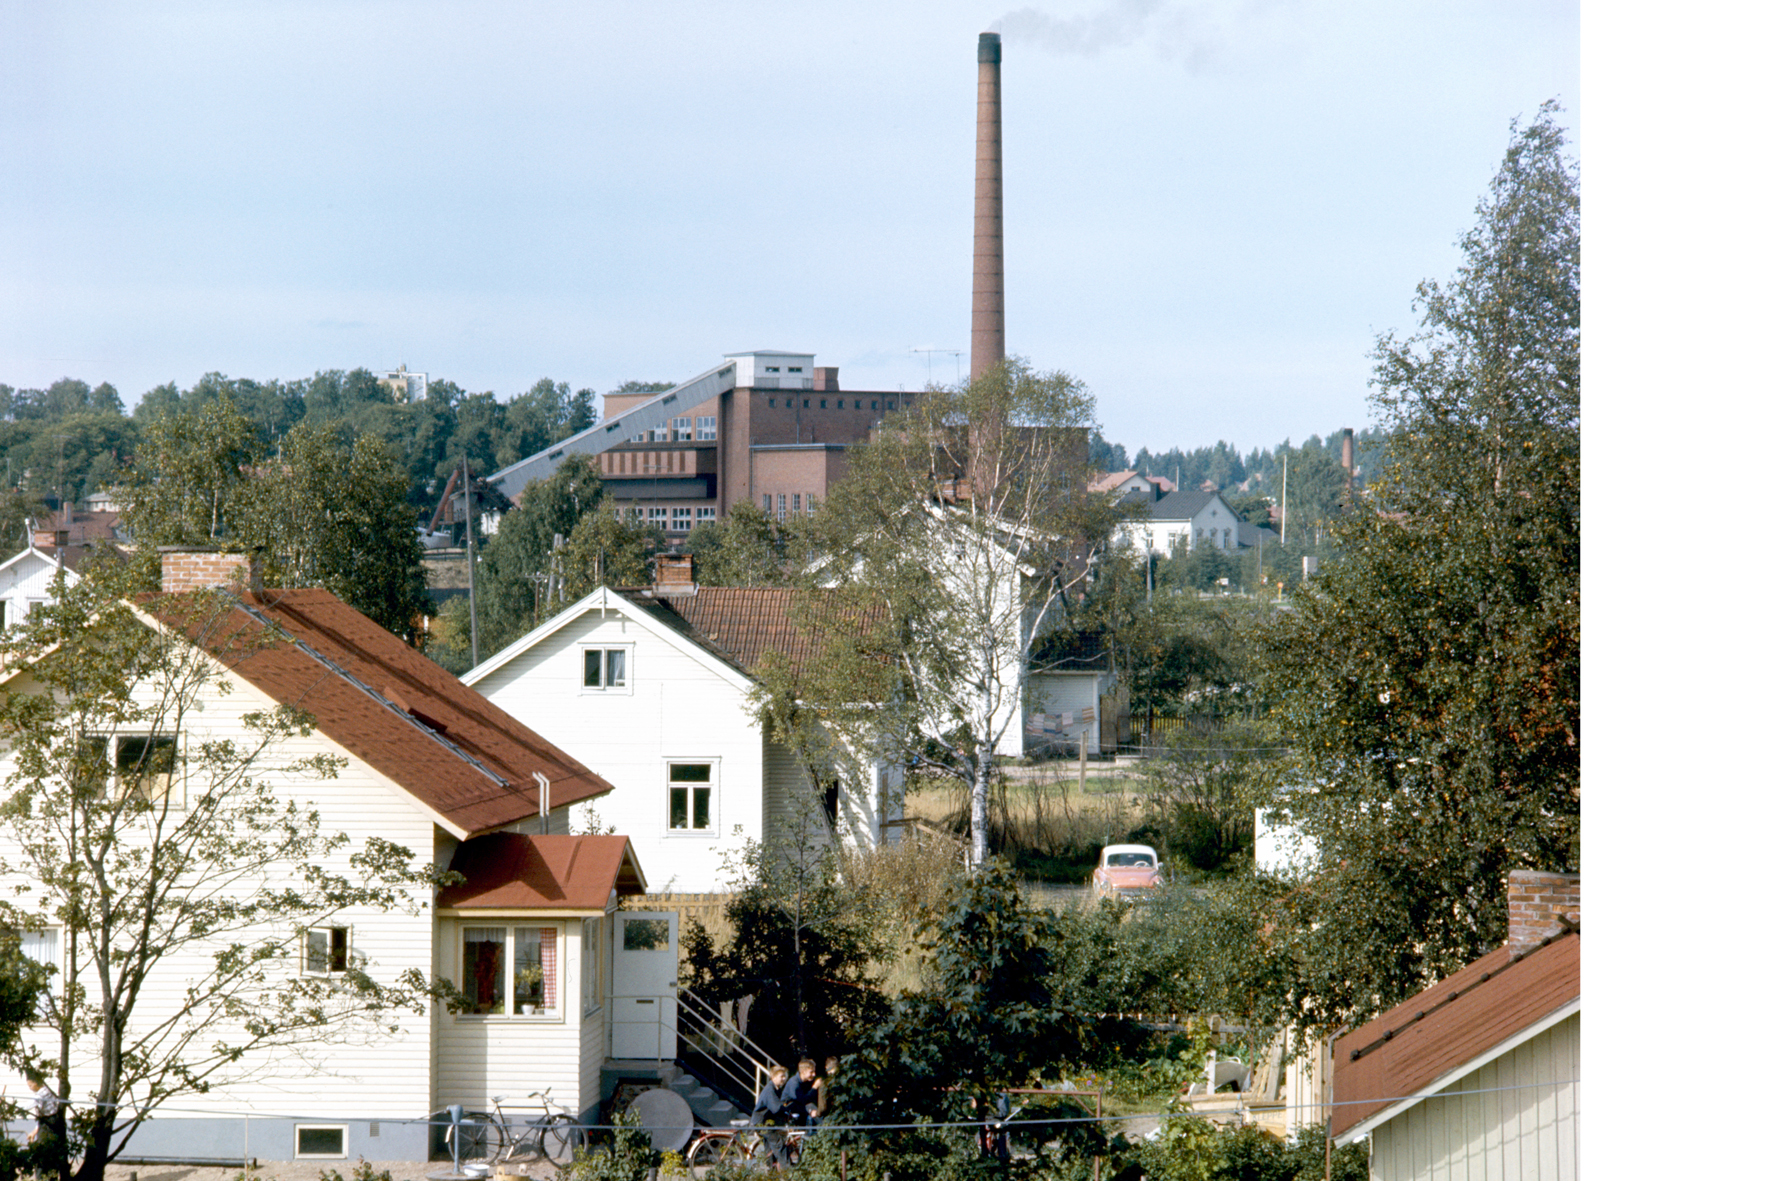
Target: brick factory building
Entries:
(766, 427)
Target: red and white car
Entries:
(1131, 872)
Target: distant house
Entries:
(1480, 1075)
(26, 581)
(1180, 520)
(652, 687)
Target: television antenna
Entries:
(929, 362)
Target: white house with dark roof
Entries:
(530, 935)
(1180, 520)
(653, 688)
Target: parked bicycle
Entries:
(742, 1144)
(496, 1138)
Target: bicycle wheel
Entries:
(482, 1136)
(739, 1149)
(558, 1136)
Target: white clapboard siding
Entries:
(677, 708)
(480, 1057)
(361, 1075)
(1517, 1118)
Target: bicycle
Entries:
(494, 1137)
(743, 1145)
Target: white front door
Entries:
(643, 1000)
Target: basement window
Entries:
(328, 1141)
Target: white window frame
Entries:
(707, 427)
(510, 928)
(706, 513)
(627, 684)
(712, 829)
(175, 778)
(682, 520)
(681, 430)
(344, 1131)
(331, 930)
(35, 951)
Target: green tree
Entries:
(802, 944)
(1428, 684)
(325, 511)
(748, 548)
(521, 575)
(988, 1018)
(176, 878)
(947, 550)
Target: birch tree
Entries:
(953, 542)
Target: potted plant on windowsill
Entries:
(529, 984)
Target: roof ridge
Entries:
(367, 690)
(1457, 993)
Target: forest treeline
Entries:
(73, 439)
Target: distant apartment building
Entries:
(766, 427)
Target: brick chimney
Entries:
(673, 574)
(188, 568)
(1536, 901)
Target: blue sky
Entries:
(1210, 209)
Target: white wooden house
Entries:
(428, 764)
(1478, 1076)
(26, 582)
(653, 689)
(1182, 519)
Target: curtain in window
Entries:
(550, 976)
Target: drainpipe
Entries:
(546, 791)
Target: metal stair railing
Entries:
(701, 1027)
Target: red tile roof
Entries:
(744, 625)
(441, 741)
(507, 870)
(1433, 1033)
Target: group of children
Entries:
(798, 1101)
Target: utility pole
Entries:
(467, 487)
(1285, 463)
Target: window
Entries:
(690, 792)
(704, 514)
(811, 503)
(680, 520)
(772, 403)
(806, 404)
(839, 403)
(327, 950)
(874, 405)
(796, 369)
(705, 426)
(606, 668)
(796, 504)
(772, 368)
(680, 431)
(657, 516)
(821, 404)
(590, 959)
(328, 1141)
(890, 404)
(41, 947)
(781, 506)
(511, 971)
(147, 767)
(768, 504)
(141, 765)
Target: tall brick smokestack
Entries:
(987, 210)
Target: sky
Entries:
(1211, 209)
